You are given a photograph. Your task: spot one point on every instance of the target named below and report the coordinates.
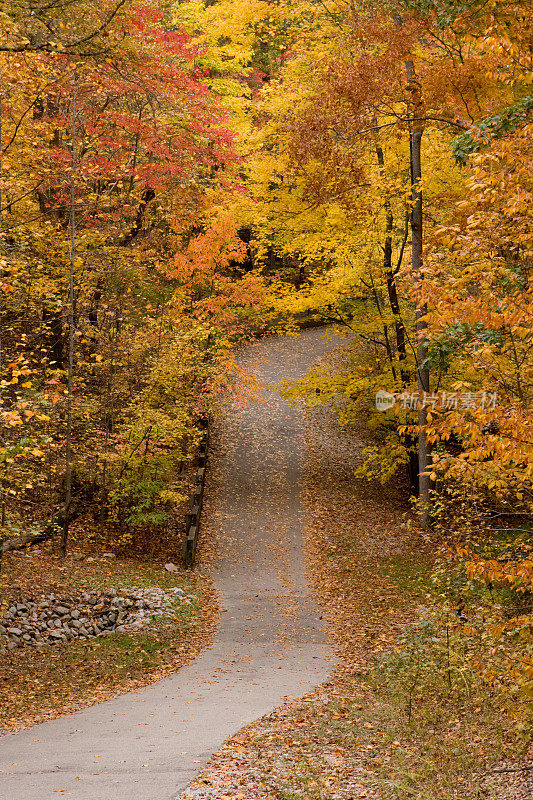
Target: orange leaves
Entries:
(518, 574)
(208, 254)
(480, 298)
(211, 281)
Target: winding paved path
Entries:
(149, 744)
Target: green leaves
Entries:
(495, 126)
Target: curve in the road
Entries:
(149, 744)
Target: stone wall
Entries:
(97, 612)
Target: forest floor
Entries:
(43, 683)
(386, 725)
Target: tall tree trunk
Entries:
(3, 499)
(71, 322)
(416, 131)
(390, 272)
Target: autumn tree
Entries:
(121, 142)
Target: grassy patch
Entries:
(411, 575)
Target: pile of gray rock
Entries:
(95, 613)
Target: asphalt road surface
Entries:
(149, 744)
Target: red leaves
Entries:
(145, 118)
